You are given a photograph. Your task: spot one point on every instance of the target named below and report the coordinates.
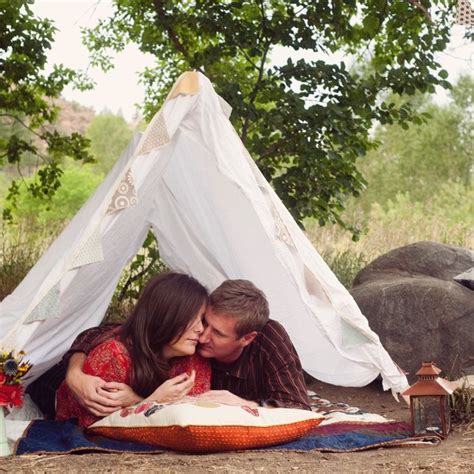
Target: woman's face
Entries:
(186, 344)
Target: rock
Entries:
(422, 258)
(420, 314)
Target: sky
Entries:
(119, 90)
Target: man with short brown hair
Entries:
(242, 298)
(253, 360)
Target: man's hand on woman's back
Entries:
(101, 398)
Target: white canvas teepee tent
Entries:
(191, 180)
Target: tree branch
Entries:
(247, 57)
(273, 148)
(379, 28)
(18, 168)
(425, 11)
(261, 68)
(14, 117)
(173, 36)
(135, 277)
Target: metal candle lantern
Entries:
(429, 402)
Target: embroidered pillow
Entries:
(201, 427)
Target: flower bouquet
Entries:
(12, 372)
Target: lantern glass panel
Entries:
(447, 414)
(427, 416)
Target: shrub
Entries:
(345, 265)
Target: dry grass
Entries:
(462, 406)
(381, 237)
(19, 251)
(453, 455)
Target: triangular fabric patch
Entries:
(89, 252)
(186, 84)
(465, 13)
(155, 136)
(314, 287)
(281, 231)
(125, 195)
(47, 308)
(351, 336)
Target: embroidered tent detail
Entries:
(261, 182)
(125, 195)
(89, 252)
(281, 230)
(156, 136)
(47, 308)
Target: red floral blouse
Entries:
(111, 362)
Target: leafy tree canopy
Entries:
(418, 161)
(306, 121)
(26, 107)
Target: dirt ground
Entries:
(456, 454)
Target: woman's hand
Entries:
(120, 393)
(173, 389)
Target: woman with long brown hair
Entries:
(154, 350)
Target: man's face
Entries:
(220, 340)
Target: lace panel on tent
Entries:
(186, 84)
(47, 308)
(261, 181)
(125, 195)
(155, 136)
(281, 231)
(89, 252)
(465, 13)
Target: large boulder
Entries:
(419, 312)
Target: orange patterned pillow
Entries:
(201, 427)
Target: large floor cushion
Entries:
(206, 426)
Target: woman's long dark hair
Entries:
(164, 310)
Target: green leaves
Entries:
(304, 121)
(26, 109)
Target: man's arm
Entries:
(227, 398)
(99, 397)
(86, 388)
